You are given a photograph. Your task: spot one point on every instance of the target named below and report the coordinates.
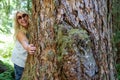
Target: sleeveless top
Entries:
(19, 54)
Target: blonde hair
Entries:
(18, 27)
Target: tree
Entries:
(116, 28)
(73, 40)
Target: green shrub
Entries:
(6, 46)
(8, 74)
(118, 71)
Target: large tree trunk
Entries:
(73, 40)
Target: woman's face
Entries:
(22, 19)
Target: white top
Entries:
(19, 54)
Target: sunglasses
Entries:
(23, 16)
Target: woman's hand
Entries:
(31, 49)
(24, 41)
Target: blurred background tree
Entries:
(116, 24)
(116, 33)
(7, 8)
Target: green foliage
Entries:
(116, 30)
(65, 39)
(6, 76)
(5, 21)
(6, 46)
(7, 8)
(6, 52)
(118, 71)
(82, 34)
(117, 37)
(9, 73)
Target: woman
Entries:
(22, 46)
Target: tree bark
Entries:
(73, 40)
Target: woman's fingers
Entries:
(32, 48)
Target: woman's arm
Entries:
(25, 43)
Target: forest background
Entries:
(7, 10)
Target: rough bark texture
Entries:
(73, 40)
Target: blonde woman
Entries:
(22, 46)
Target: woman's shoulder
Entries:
(20, 32)
(20, 35)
